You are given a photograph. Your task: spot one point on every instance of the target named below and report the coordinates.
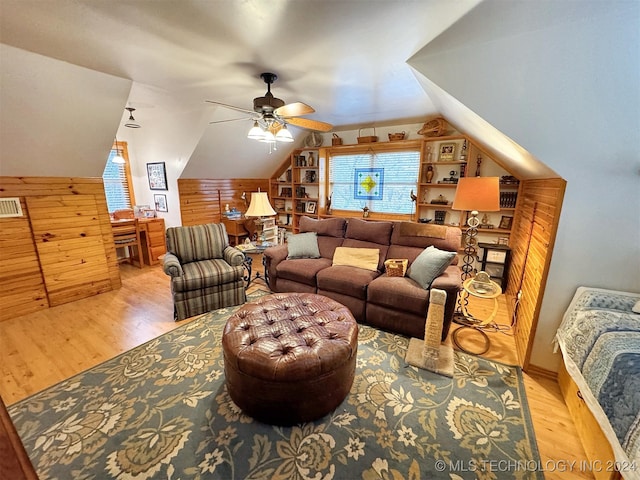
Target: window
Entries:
(117, 180)
(381, 181)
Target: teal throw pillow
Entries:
(429, 265)
(303, 245)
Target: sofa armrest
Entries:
(171, 265)
(274, 255)
(233, 256)
(450, 280)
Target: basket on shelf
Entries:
(394, 137)
(396, 267)
(434, 128)
(369, 139)
(336, 140)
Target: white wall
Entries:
(57, 119)
(562, 79)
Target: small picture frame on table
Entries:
(311, 207)
(157, 175)
(161, 202)
(505, 222)
(447, 152)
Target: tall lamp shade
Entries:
(260, 206)
(477, 193)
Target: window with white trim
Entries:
(381, 181)
(117, 180)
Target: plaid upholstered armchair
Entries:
(206, 273)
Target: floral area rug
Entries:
(162, 411)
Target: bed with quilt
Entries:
(600, 341)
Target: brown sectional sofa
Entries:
(396, 304)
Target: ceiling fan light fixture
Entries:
(268, 137)
(284, 135)
(131, 123)
(256, 133)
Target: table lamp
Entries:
(475, 194)
(260, 208)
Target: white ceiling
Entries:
(347, 59)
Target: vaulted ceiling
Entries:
(346, 59)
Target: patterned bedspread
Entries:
(600, 341)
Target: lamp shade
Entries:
(477, 193)
(259, 206)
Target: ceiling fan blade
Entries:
(294, 110)
(229, 120)
(231, 107)
(310, 124)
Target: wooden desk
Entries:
(152, 237)
(235, 230)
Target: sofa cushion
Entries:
(375, 232)
(346, 280)
(423, 236)
(329, 227)
(366, 258)
(351, 243)
(399, 293)
(206, 273)
(430, 264)
(302, 270)
(303, 245)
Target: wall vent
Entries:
(10, 207)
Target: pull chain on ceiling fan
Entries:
(271, 115)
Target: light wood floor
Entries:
(44, 348)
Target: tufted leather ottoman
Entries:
(290, 357)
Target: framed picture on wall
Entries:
(447, 152)
(157, 176)
(161, 202)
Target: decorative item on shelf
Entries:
(429, 153)
(285, 192)
(425, 196)
(311, 161)
(441, 200)
(485, 222)
(414, 199)
(279, 204)
(300, 192)
(478, 164)
(434, 128)
(509, 180)
(503, 241)
(394, 137)
(451, 179)
(463, 169)
(425, 220)
(310, 176)
(463, 151)
(508, 199)
(429, 175)
(368, 139)
(440, 216)
(311, 208)
(313, 140)
(288, 175)
(505, 223)
(336, 140)
(365, 212)
(447, 152)
(301, 161)
(329, 204)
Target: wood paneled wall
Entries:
(202, 201)
(532, 240)
(60, 250)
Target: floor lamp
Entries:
(474, 194)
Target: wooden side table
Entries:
(236, 230)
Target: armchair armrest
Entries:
(233, 256)
(171, 265)
(274, 255)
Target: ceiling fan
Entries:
(271, 115)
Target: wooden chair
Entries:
(126, 234)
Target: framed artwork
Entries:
(447, 152)
(505, 222)
(161, 202)
(157, 176)
(311, 207)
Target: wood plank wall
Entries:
(203, 200)
(61, 249)
(532, 240)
